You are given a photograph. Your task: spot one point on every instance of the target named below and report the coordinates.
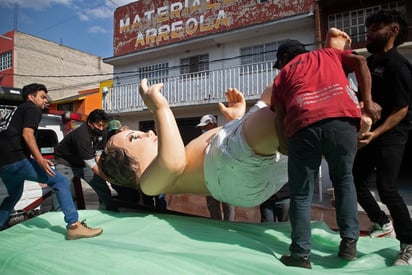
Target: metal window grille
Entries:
(353, 22)
(194, 66)
(5, 61)
(155, 73)
(258, 55)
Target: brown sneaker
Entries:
(293, 260)
(80, 230)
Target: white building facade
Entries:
(199, 49)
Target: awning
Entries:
(75, 97)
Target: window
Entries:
(147, 125)
(155, 73)
(258, 57)
(5, 61)
(353, 22)
(193, 66)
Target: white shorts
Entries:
(235, 174)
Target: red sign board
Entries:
(147, 24)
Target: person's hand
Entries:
(152, 96)
(236, 105)
(46, 164)
(365, 138)
(366, 125)
(373, 110)
(338, 39)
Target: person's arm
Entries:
(358, 64)
(393, 119)
(170, 161)
(95, 167)
(280, 128)
(30, 139)
(92, 163)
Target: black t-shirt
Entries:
(12, 145)
(79, 145)
(392, 88)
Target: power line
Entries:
(137, 72)
(113, 3)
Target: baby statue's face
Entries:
(142, 145)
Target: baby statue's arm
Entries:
(170, 161)
(236, 105)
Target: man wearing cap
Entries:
(218, 210)
(207, 122)
(318, 115)
(112, 126)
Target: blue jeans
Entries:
(336, 141)
(275, 210)
(14, 174)
(97, 183)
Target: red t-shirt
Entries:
(313, 86)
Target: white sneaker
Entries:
(405, 255)
(378, 231)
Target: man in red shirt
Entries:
(318, 115)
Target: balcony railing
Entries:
(202, 88)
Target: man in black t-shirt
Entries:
(21, 160)
(78, 153)
(385, 143)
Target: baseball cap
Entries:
(207, 119)
(290, 46)
(113, 125)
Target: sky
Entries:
(85, 25)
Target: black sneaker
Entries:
(347, 249)
(292, 260)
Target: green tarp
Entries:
(148, 243)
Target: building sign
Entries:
(147, 24)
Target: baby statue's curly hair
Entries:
(120, 167)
